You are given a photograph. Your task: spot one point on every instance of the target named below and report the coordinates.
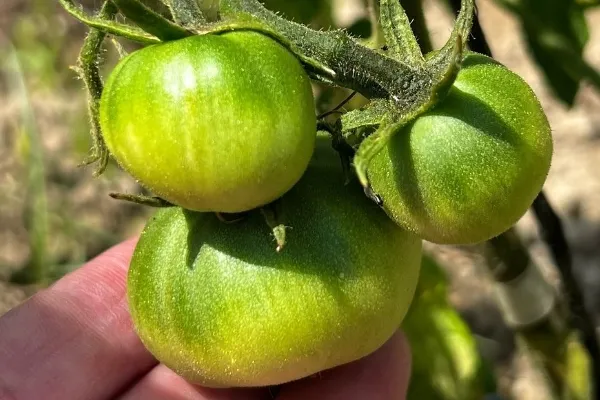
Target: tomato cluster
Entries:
(226, 123)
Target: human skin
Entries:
(75, 341)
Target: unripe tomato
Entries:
(468, 169)
(211, 123)
(216, 303)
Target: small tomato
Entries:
(220, 123)
(469, 168)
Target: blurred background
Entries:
(54, 214)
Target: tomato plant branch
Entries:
(357, 67)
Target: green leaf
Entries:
(374, 144)
(247, 21)
(372, 115)
(398, 34)
(556, 32)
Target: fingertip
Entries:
(80, 342)
(383, 375)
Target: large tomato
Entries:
(211, 123)
(216, 303)
(469, 168)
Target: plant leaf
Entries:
(398, 35)
(556, 33)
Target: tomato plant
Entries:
(211, 123)
(215, 303)
(469, 168)
(217, 115)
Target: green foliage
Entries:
(446, 363)
(556, 33)
(35, 213)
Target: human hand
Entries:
(75, 341)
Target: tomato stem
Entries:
(273, 214)
(88, 70)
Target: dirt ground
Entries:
(84, 221)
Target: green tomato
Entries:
(220, 123)
(468, 169)
(216, 303)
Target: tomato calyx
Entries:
(274, 217)
(150, 201)
(390, 116)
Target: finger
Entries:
(74, 340)
(383, 375)
(163, 384)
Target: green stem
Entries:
(89, 72)
(375, 75)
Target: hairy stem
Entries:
(88, 70)
(375, 76)
(477, 41)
